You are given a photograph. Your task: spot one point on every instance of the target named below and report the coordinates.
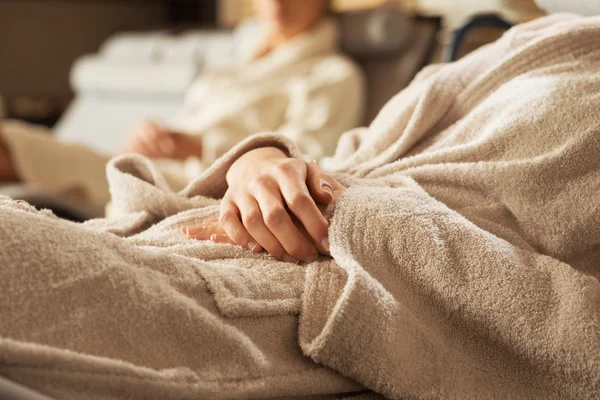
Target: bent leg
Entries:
(87, 314)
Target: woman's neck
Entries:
(281, 36)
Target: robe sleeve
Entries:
(449, 308)
(323, 107)
(313, 111)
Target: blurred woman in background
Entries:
(291, 80)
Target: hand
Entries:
(7, 171)
(153, 141)
(268, 192)
(212, 230)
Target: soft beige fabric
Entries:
(304, 90)
(129, 308)
(581, 7)
(466, 256)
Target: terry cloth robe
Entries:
(304, 89)
(466, 257)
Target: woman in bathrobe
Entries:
(291, 79)
(464, 230)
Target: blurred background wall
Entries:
(40, 39)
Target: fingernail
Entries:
(314, 162)
(252, 246)
(325, 243)
(214, 237)
(194, 230)
(326, 187)
(289, 259)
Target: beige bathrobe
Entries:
(466, 257)
(304, 90)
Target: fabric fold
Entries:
(465, 255)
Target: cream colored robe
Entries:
(304, 90)
(466, 257)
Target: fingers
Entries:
(207, 232)
(203, 231)
(151, 140)
(275, 209)
(213, 231)
(167, 144)
(185, 146)
(252, 219)
(302, 205)
(278, 221)
(221, 239)
(233, 227)
(136, 142)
